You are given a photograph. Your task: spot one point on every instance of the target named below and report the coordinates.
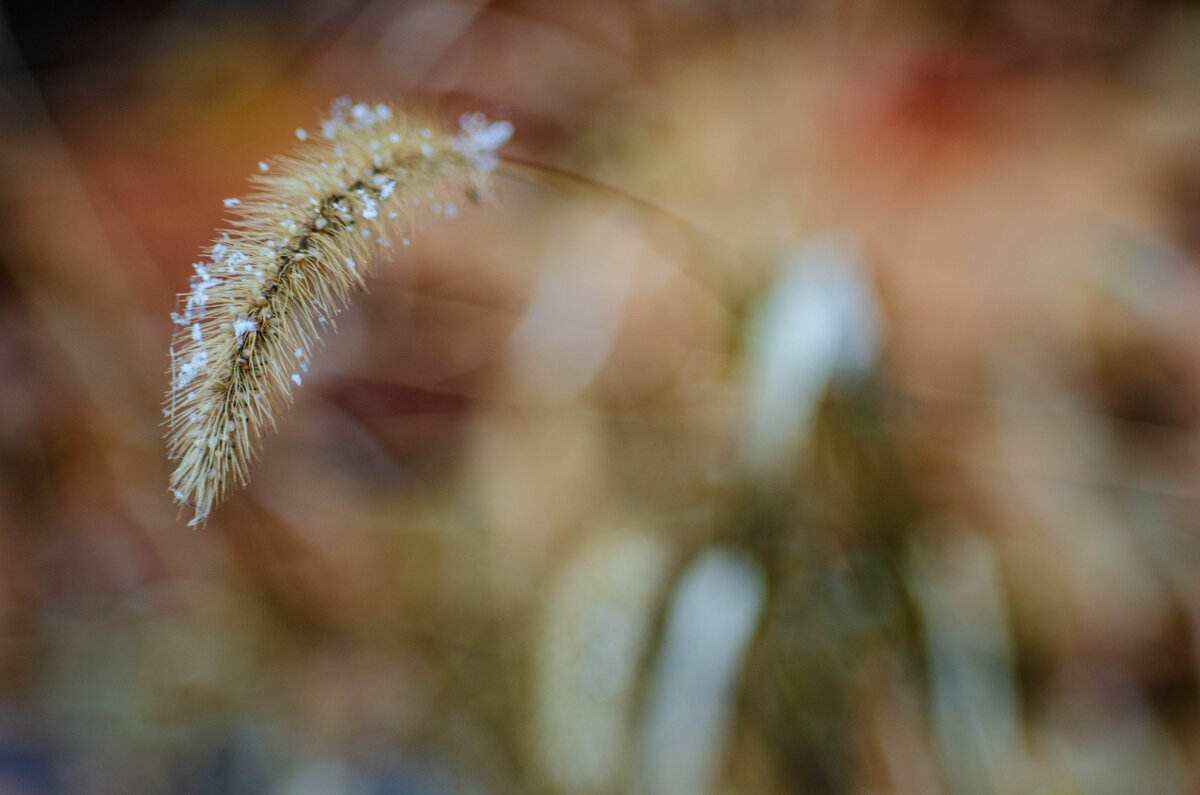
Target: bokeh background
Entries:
(836, 432)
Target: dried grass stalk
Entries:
(297, 247)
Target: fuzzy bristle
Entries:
(297, 247)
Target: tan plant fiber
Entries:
(295, 249)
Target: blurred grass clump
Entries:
(848, 443)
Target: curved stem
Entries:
(603, 187)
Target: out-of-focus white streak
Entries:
(712, 617)
(819, 321)
(567, 332)
(593, 636)
(973, 693)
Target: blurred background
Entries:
(848, 444)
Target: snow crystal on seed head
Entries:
(480, 139)
(190, 369)
(243, 326)
(198, 298)
(337, 117)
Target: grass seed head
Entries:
(295, 249)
